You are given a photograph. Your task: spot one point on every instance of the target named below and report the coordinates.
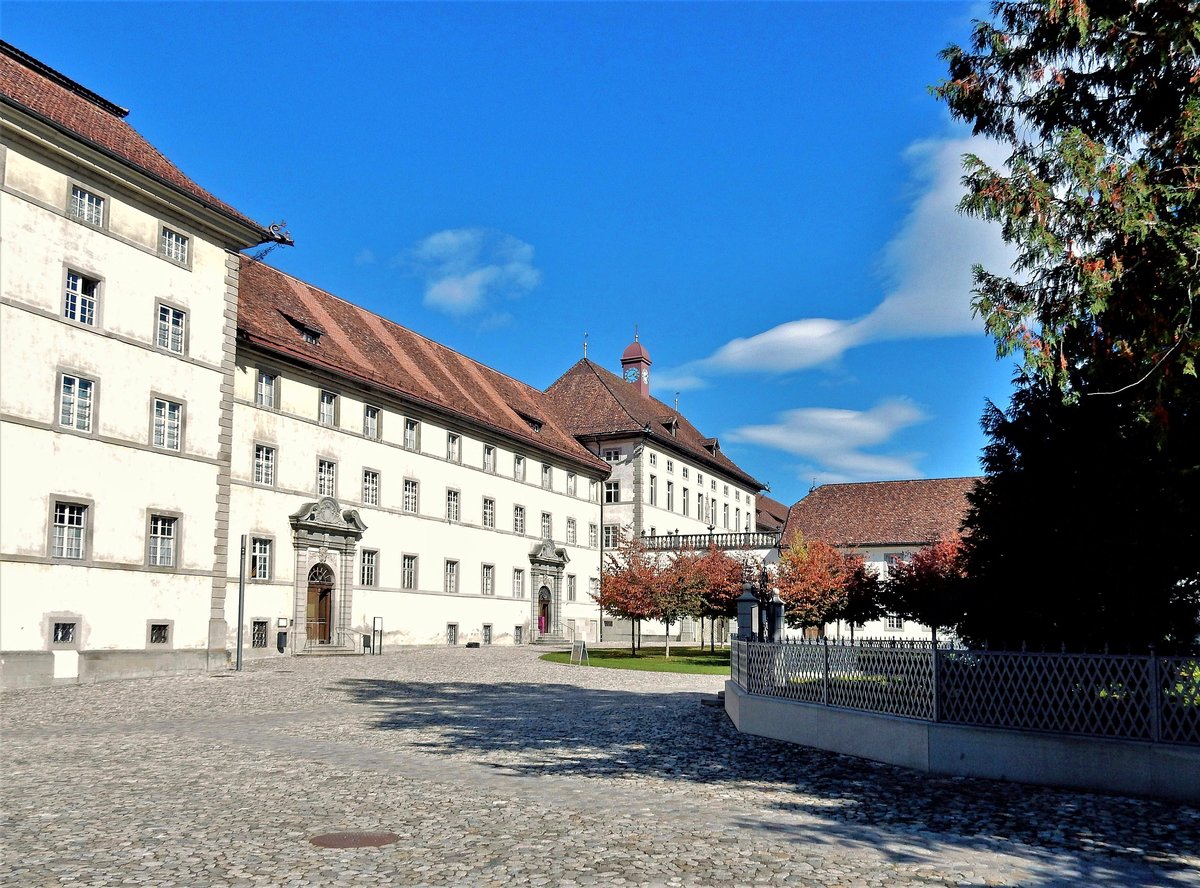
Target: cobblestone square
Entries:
(496, 769)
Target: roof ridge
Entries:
(62, 80)
(609, 389)
(899, 481)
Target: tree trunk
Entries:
(712, 636)
(668, 640)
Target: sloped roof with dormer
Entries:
(275, 309)
(770, 515)
(52, 97)
(592, 402)
(882, 513)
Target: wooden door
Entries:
(319, 612)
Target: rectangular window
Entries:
(593, 535)
(487, 633)
(408, 572)
(64, 633)
(327, 409)
(168, 422)
(162, 541)
(670, 496)
(570, 483)
(686, 507)
(547, 526)
(594, 491)
(725, 516)
(371, 422)
(518, 467)
(452, 633)
(518, 634)
(173, 245)
(594, 587)
(571, 533)
(725, 490)
(547, 476)
(264, 465)
(260, 558)
(518, 519)
(451, 580)
(76, 402)
(412, 434)
(368, 568)
(258, 634)
(489, 458)
(737, 496)
(370, 491)
(489, 512)
(326, 478)
(670, 466)
(264, 389)
(487, 582)
(86, 207)
(713, 484)
(612, 456)
(894, 622)
(518, 589)
(737, 518)
(571, 592)
(410, 496)
(685, 472)
(653, 490)
(453, 447)
(699, 479)
(80, 298)
(452, 505)
(172, 324)
(70, 531)
(653, 459)
(612, 491)
(612, 536)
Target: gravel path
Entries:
(496, 769)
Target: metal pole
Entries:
(1156, 699)
(241, 600)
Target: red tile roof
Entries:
(770, 515)
(882, 513)
(354, 343)
(71, 108)
(591, 401)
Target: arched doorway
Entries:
(320, 604)
(545, 623)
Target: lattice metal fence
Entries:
(1099, 695)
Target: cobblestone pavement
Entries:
(496, 769)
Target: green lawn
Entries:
(683, 659)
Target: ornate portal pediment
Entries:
(546, 553)
(325, 516)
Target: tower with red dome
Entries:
(635, 366)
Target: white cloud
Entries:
(366, 256)
(467, 268)
(835, 441)
(926, 268)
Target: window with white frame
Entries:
(713, 483)
(518, 519)
(571, 483)
(518, 587)
(453, 447)
(264, 465)
(326, 478)
(327, 409)
(168, 423)
(370, 487)
(725, 491)
(670, 466)
(172, 327)
(653, 458)
(725, 516)
(368, 569)
(670, 496)
(453, 504)
(737, 496)
(518, 467)
(737, 519)
(173, 245)
(371, 422)
(487, 633)
(408, 572)
(162, 541)
(593, 535)
(594, 491)
(612, 491)
(686, 471)
(547, 476)
(612, 455)
(76, 403)
(264, 389)
(571, 532)
(571, 589)
(594, 587)
(699, 479)
(894, 622)
(489, 512)
(451, 576)
(653, 490)
(85, 206)
(258, 633)
(412, 434)
(261, 552)
(487, 581)
(612, 536)
(747, 521)
(80, 297)
(410, 501)
(547, 526)
(69, 538)
(489, 458)
(686, 506)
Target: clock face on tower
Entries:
(632, 374)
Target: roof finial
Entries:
(677, 402)
(585, 336)
(635, 332)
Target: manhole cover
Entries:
(353, 839)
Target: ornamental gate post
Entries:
(1156, 702)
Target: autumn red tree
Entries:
(812, 577)
(680, 590)
(928, 587)
(629, 584)
(863, 600)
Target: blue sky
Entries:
(766, 190)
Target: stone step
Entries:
(560, 640)
(328, 650)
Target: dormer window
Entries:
(308, 331)
(310, 336)
(535, 424)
